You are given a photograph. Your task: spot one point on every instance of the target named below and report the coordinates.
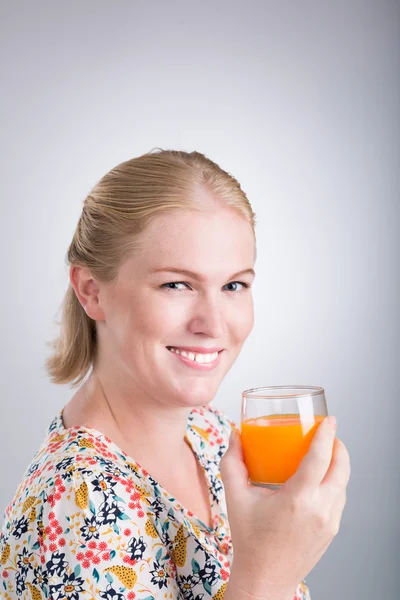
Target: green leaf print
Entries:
(92, 507)
(109, 577)
(77, 570)
(158, 555)
(119, 499)
(207, 587)
(195, 566)
(96, 575)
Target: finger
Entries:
(232, 468)
(337, 512)
(338, 474)
(316, 462)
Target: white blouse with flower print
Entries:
(89, 522)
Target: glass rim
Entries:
(309, 390)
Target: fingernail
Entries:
(332, 422)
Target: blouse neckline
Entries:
(200, 455)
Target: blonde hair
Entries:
(116, 210)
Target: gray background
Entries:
(300, 101)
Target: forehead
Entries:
(218, 241)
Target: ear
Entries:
(87, 291)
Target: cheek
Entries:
(242, 321)
(155, 318)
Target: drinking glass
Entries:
(277, 426)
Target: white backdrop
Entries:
(301, 103)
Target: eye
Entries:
(236, 283)
(173, 283)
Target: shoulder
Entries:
(67, 461)
(212, 428)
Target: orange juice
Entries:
(274, 445)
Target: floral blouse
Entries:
(89, 522)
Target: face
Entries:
(182, 293)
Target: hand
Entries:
(279, 535)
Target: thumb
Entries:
(315, 463)
(232, 468)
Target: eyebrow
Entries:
(198, 277)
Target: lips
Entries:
(197, 349)
(189, 359)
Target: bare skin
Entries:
(139, 393)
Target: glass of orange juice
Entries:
(277, 426)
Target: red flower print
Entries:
(106, 556)
(80, 556)
(47, 530)
(42, 559)
(227, 564)
(53, 537)
(53, 547)
(127, 532)
(131, 596)
(172, 566)
(89, 554)
(61, 542)
(224, 574)
(92, 544)
(140, 513)
(103, 546)
(86, 563)
(5, 574)
(95, 560)
(59, 530)
(52, 516)
(135, 496)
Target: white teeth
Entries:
(198, 358)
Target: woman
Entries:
(125, 499)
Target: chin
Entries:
(196, 397)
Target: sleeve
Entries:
(89, 540)
(302, 592)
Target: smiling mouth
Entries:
(196, 357)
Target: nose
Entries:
(207, 318)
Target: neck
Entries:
(149, 432)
